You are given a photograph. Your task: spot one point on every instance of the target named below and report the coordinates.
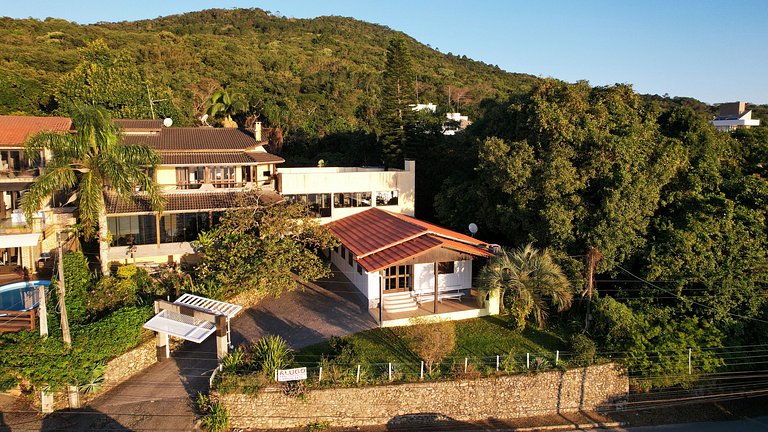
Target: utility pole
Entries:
(62, 306)
(592, 258)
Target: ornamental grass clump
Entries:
(271, 353)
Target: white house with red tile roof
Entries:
(392, 259)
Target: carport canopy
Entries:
(182, 326)
(192, 326)
(203, 304)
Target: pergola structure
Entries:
(192, 318)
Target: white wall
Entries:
(330, 180)
(367, 283)
(424, 277)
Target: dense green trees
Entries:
(261, 247)
(677, 209)
(311, 78)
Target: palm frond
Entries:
(54, 178)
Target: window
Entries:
(182, 227)
(350, 258)
(352, 199)
(359, 269)
(319, 204)
(190, 177)
(132, 230)
(398, 278)
(223, 176)
(343, 252)
(385, 198)
(445, 267)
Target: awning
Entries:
(182, 326)
(203, 304)
(19, 240)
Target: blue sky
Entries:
(711, 50)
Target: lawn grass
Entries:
(475, 338)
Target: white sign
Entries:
(292, 374)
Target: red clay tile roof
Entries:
(196, 138)
(183, 201)
(380, 238)
(372, 230)
(217, 158)
(14, 130)
(398, 252)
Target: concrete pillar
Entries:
(74, 396)
(494, 301)
(46, 401)
(222, 346)
(163, 350)
(43, 311)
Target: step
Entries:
(401, 308)
(398, 300)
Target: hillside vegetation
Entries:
(311, 77)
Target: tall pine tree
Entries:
(398, 92)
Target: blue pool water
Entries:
(21, 296)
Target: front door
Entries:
(398, 278)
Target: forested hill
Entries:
(316, 76)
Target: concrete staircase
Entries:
(399, 302)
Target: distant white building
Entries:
(429, 106)
(455, 123)
(733, 116)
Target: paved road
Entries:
(757, 424)
(161, 398)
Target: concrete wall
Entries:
(501, 397)
(333, 180)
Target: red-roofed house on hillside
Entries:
(393, 259)
(22, 241)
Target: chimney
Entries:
(257, 131)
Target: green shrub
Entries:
(215, 417)
(234, 360)
(584, 350)
(78, 280)
(129, 287)
(271, 353)
(318, 426)
(48, 362)
(432, 342)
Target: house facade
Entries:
(203, 170)
(23, 241)
(407, 268)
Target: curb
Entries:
(566, 427)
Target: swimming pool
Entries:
(21, 296)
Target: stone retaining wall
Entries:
(500, 397)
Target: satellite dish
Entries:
(167, 122)
(473, 229)
(204, 119)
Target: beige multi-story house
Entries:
(203, 169)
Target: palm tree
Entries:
(528, 281)
(225, 104)
(92, 161)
